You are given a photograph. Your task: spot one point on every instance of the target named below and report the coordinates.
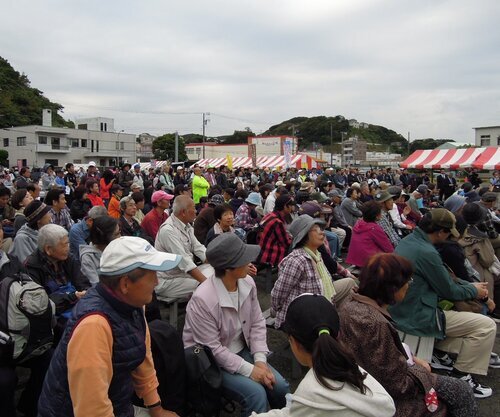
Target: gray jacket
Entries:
(90, 257)
(351, 211)
(25, 243)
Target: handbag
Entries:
(204, 379)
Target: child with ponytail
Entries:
(335, 384)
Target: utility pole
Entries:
(342, 146)
(331, 144)
(205, 121)
(176, 159)
(408, 143)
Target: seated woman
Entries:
(129, 226)
(20, 200)
(335, 384)
(52, 268)
(80, 205)
(104, 230)
(224, 221)
(303, 270)
(368, 237)
(224, 314)
(368, 332)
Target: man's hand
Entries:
(80, 294)
(482, 289)
(263, 375)
(491, 305)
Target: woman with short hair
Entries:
(224, 222)
(129, 226)
(369, 333)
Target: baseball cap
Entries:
(92, 164)
(137, 165)
(319, 197)
(228, 251)
(382, 196)
(422, 189)
(160, 195)
(217, 199)
(308, 315)
(179, 167)
(445, 219)
(127, 253)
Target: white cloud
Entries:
(428, 67)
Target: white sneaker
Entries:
(494, 361)
(480, 391)
(441, 362)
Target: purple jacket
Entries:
(367, 239)
(211, 321)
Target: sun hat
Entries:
(127, 253)
(160, 195)
(300, 228)
(305, 186)
(279, 183)
(228, 251)
(445, 219)
(254, 198)
(356, 185)
(382, 196)
(335, 193)
(310, 315)
(455, 202)
(35, 210)
(319, 197)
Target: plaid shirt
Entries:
(63, 218)
(296, 275)
(486, 225)
(274, 241)
(389, 230)
(243, 218)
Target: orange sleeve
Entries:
(114, 208)
(144, 376)
(90, 368)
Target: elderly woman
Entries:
(224, 222)
(104, 230)
(224, 314)
(334, 385)
(368, 332)
(368, 237)
(51, 267)
(129, 226)
(303, 270)
(37, 215)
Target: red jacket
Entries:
(95, 200)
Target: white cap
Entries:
(127, 253)
(92, 164)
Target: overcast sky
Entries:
(429, 67)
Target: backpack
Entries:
(204, 379)
(26, 315)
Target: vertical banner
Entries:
(153, 163)
(253, 154)
(287, 151)
(229, 162)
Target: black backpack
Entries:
(204, 379)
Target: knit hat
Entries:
(455, 203)
(35, 211)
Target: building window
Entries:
(54, 162)
(84, 143)
(498, 141)
(77, 161)
(5, 142)
(42, 140)
(485, 142)
(82, 127)
(21, 141)
(73, 143)
(120, 146)
(104, 127)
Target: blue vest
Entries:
(129, 350)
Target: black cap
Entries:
(310, 315)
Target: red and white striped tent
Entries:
(489, 159)
(445, 158)
(296, 161)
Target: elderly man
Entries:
(79, 233)
(138, 180)
(176, 235)
(24, 178)
(108, 325)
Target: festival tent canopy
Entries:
(443, 158)
(296, 161)
(489, 159)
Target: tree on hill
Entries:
(21, 104)
(164, 147)
(239, 136)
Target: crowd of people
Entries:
(358, 256)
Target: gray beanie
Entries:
(455, 203)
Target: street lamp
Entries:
(118, 148)
(205, 121)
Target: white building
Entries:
(35, 145)
(144, 147)
(487, 136)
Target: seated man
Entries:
(56, 199)
(176, 235)
(470, 335)
(108, 324)
(79, 233)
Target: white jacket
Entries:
(311, 399)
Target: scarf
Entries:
(326, 279)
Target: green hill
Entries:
(21, 104)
